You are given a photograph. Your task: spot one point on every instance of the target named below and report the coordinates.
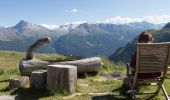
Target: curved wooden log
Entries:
(93, 64)
(29, 64)
(34, 46)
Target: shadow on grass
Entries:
(121, 94)
(5, 89)
(32, 93)
(122, 91)
(29, 94)
(109, 97)
(86, 74)
(7, 80)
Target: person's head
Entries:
(145, 37)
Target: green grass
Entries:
(86, 83)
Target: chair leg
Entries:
(134, 94)
(165, 93)
(132, 88)
(127, 73)
(159, 87)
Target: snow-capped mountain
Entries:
(98, 39)
(83, 39)
(61, 30)
(23, 34)
(26, 29)
(50, 26)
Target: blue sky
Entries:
(62, 11)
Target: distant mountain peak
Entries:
(167, 26)
(22, 23)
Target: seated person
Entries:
(144, 37)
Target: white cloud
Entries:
(74, 10)
(79, 22)
(71, 11)
(122, 20)
(152, 19)
(157, 19)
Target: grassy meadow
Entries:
(89, 86)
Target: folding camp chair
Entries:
(151, 66)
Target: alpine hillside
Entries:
(124, 54)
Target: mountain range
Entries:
(85, 39)
(125, 53)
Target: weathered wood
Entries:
(93, 64)
(149, 56)
(29, 64)
(38, 79)
(18, 82)
(26, 67)
(34, 46)
(62, 78)
(153, 57)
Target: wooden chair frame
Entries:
(133, 79)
